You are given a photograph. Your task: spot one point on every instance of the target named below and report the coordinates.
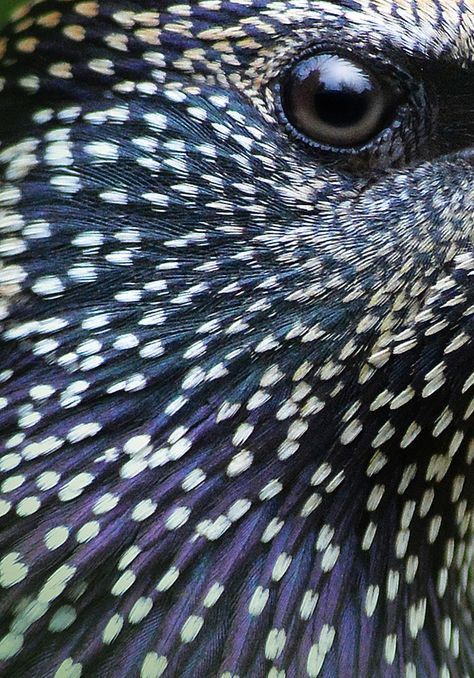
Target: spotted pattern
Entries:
(236, 382)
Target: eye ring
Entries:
(335, 102)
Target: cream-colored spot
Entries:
(105, 503)
(213, 595)
(28, 506)
(143, 510)
(56, 583)
(62, 619)
(88, 531)
(112, 629)
(168, 579)
(56, 537)
(12, 570)
(10, 645)
(275, 643)
(69, 669)
(191, 628)
(141, 608)
(178, 517)
(124, 582)
(319, 650)
(153, 666)
(258, 601)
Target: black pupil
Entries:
(341, 108)
(342, 92)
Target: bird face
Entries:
(236, 301)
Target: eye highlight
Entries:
(335, 102)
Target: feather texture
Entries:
(236, 386)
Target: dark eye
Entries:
(337, 102)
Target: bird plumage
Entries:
(236, 376)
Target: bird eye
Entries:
(337, 102)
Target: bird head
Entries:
(236, 297)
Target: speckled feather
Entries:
(236, 382)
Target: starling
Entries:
(236, 304)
